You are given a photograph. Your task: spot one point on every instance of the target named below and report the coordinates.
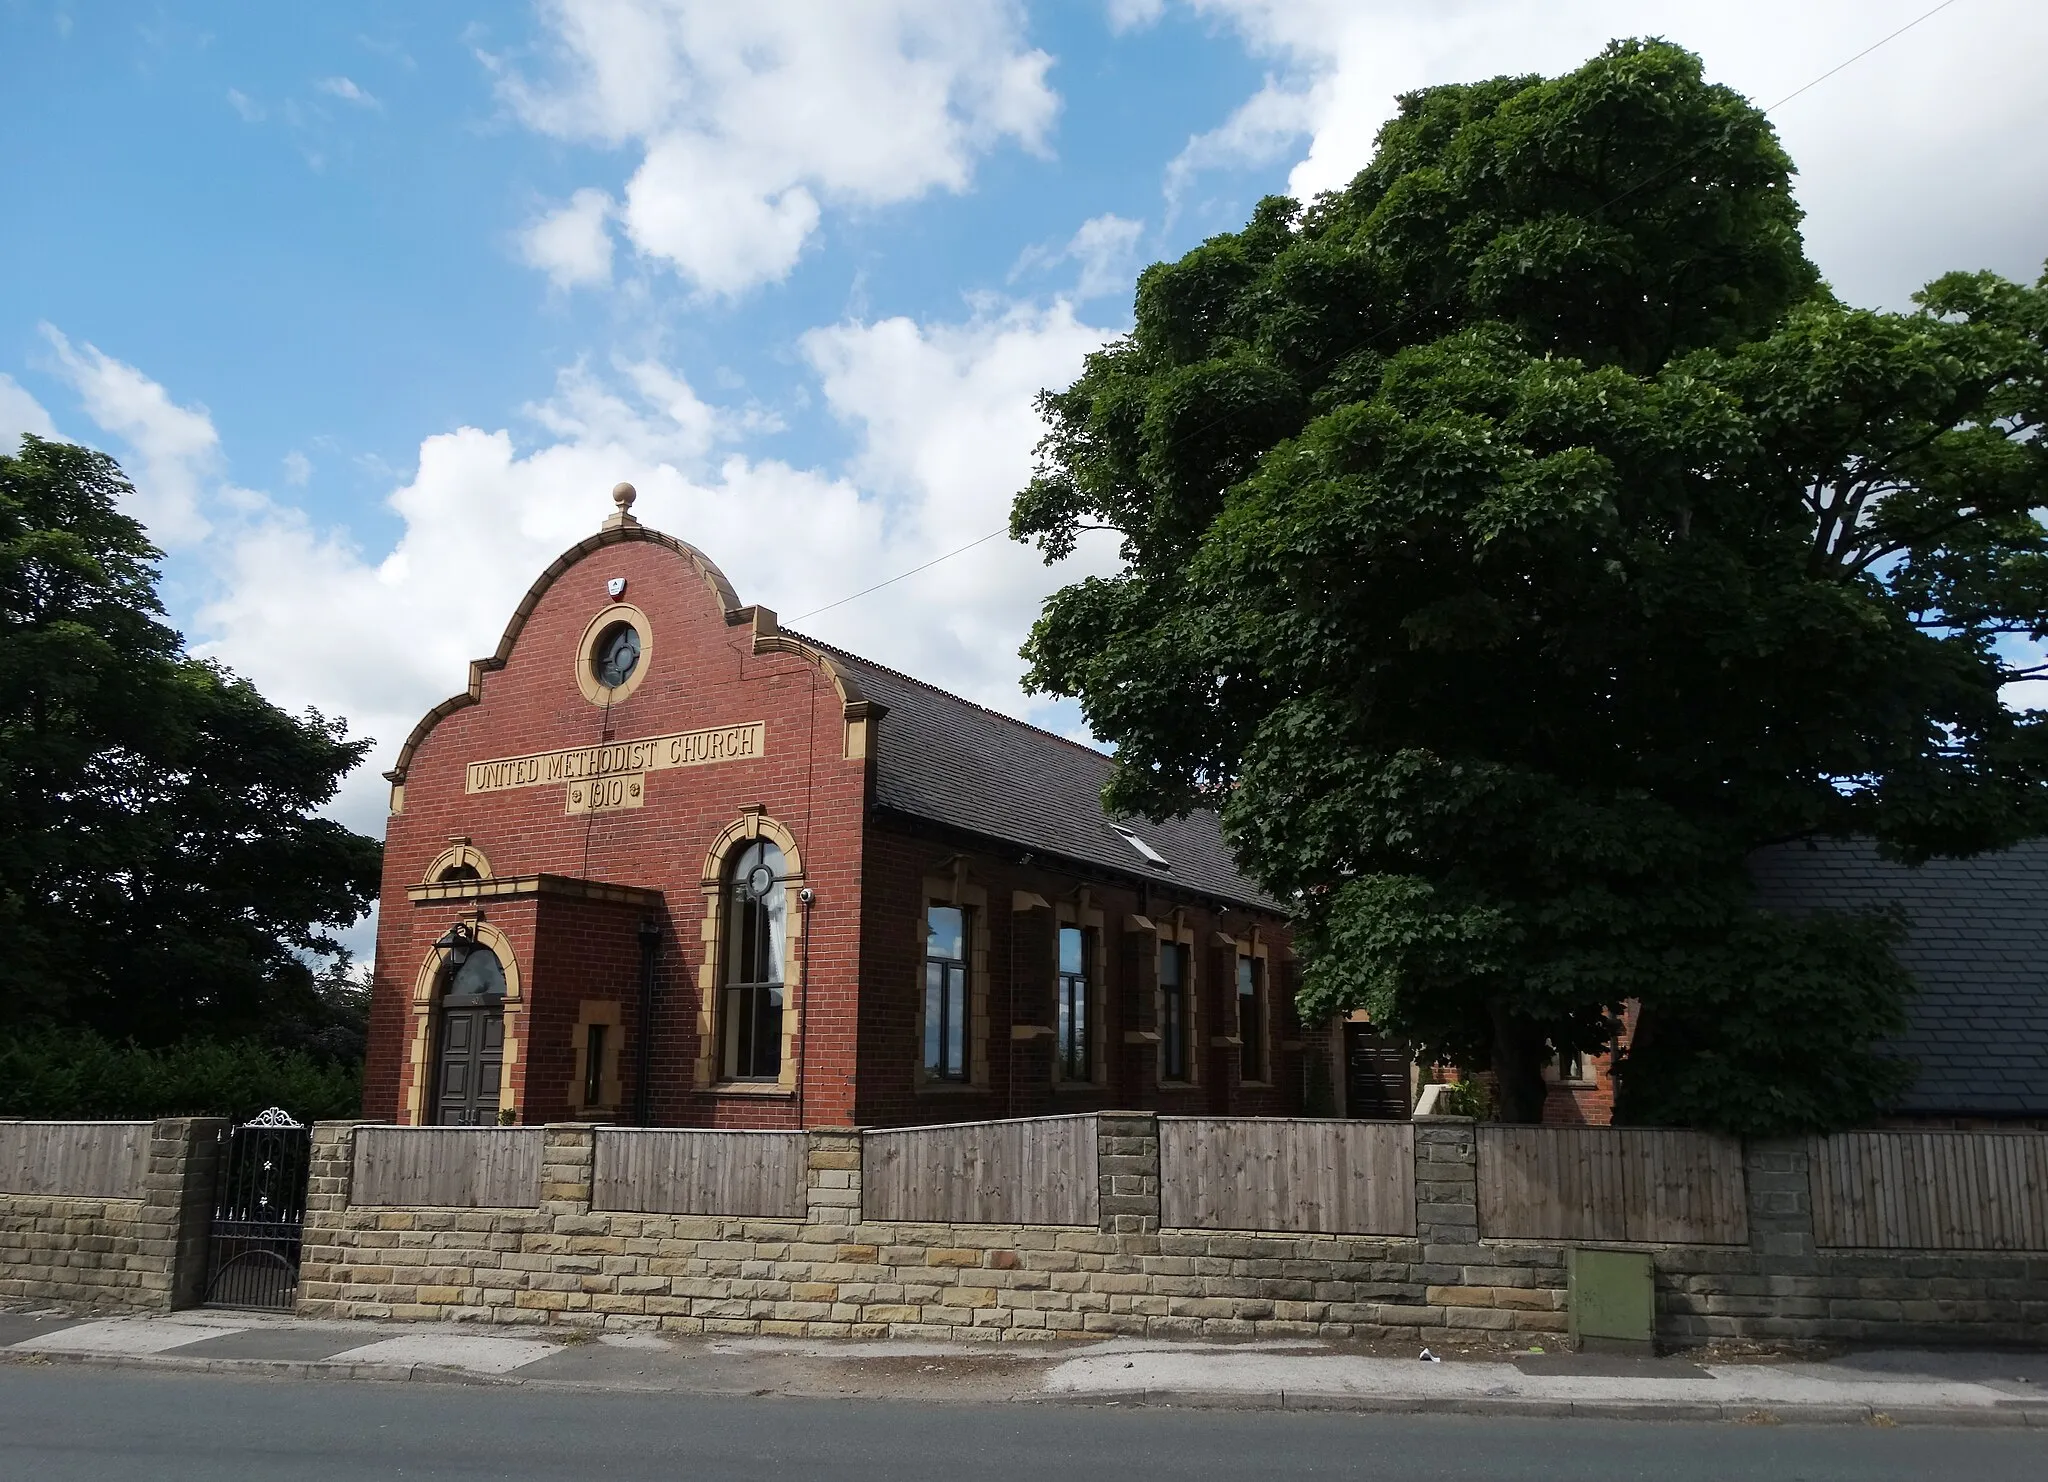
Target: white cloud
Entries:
(751, 120)
(945, 427)
(20, 413)
(947, 430)
(346, 90)
(250, 110)
(1132, 15)
(298, 468)
(573, 246)
(711, 212)
(1106, 247)
(1912, 160)
(175, 449)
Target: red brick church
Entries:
(663, 862)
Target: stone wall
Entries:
(146, 1254)
(833, 1274)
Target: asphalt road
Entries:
(60, 1423)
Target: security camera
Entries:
(807, 895)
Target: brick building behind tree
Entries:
(845, 897)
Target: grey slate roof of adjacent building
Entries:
(1977, 944)
(945, 759)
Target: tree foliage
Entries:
(77, 1073)
(162, 871)
(1517, 539)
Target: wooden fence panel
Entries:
(687, 1171)
(1930, 1190)
(1611, 1184)
(448, 1167)
(1272, 1173)
(1028, 1171)
(75, 1160)
(1683, 1188)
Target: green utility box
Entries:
(1613, 1300)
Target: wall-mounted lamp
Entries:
(458, 941)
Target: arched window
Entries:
(756, 926)
(463, 871)
(480, 975)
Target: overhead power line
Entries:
(1882, 41)
(913, 571)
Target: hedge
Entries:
(77, 1073)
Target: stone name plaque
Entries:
(600, 779)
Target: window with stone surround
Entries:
(950, 993)
(1251, 1018)
(1175, 975)
(947, 1030)
(593, 1063)
(1075, 1028)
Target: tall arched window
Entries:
(756, 922)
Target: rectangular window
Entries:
(593, 1065)
(753, 1032)
(945, 993)
(1073, 1041)
(1173, 1011)
(1251, 1019)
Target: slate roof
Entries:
(945, 759)
(1977, 945)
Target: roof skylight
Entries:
(1146, 852)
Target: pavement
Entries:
(1880, 1388)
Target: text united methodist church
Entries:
(664, 863)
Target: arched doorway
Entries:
(469, 1039)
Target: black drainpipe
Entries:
(650, 948)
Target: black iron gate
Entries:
(259, 1213)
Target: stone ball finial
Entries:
(623, 496)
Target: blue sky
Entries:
(376, 301)
(309, 221)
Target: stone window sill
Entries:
(767, 1089)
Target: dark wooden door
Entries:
(468, 1066)
(1375, 1075)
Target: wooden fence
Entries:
(1611, 1183)
(685, 1171)
(448, 1167)
(1032, 1171)
(1245, 1173)
(75, 1160)
(1930, 1190)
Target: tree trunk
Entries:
(1519, 1051)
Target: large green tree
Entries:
(163, 874)
(1517, 539)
